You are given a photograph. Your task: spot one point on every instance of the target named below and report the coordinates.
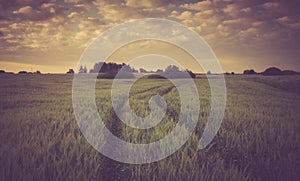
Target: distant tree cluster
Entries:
(103, 67)
(143, 70)
(82, 69)
(271, 72)
(4, 72)
(277, 71)
(22, 72)
(70, 71)
(227, 73)
(110, 70)
(25, 72)
(249, 72)
(172, 71)
(192, 74)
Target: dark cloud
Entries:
(4, 19)
(11, 4)
(42, 12)
(290, 7)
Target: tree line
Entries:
(109, 70)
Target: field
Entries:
(258, 139)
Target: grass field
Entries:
(258, 139)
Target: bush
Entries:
(71, 71)
(155, 76)
(272, 71)
(250, 72)
(22, 72)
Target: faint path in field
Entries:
(113, 170)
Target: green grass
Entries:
(258, 139)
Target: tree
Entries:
(82, 69)
(111, 68)
(250, 72)
(290, 72)
(126, 68)
(143, 70)
(173, 71)
(172, 68)
(159, 71)
(272, 71)
(23, 72)
(71, 71)
(98, 67)
(191, 73)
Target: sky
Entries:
(51, 35)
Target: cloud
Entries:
(257, 23)
(71, 1)
(289, 22)
(223, 30)
(239, 23)
(271, 5)
(44, 11)
(232, 9)
(4, 20)
(83, 7)
(26, 10)
(47, 5)
(205, 14)
(145, 3)
(185, 15)
(37, 35)
(283, 20)
(199, 6)
(120, 12)
(249, 33)
(238, 9)
(295, 25)
(16, 4)
(74, 16)
(25, 2)
(246, 10)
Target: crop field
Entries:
(259, 138)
